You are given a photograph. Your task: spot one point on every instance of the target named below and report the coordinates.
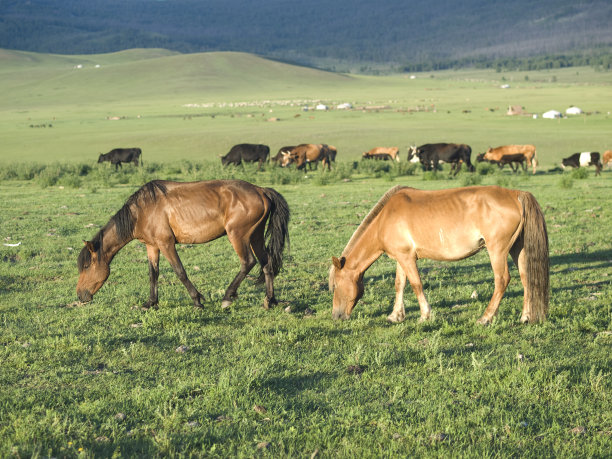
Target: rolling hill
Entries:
(338, 35)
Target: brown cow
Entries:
(607, 159)
(529, 151)
(279, 156)
(307, 153)
(380, 152)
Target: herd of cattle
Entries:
(430, 156)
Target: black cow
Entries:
(431, 154)
(514, 161)
(122, 155)
(587, 158)
(247, 152)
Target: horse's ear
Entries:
(338, 263)
(89, 246)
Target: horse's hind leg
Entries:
(399, 313)
(499, 263)
(169, 251)
(258, 245)
(247, 261)
(518, 256)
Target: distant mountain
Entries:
(322, 33)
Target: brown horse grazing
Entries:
(447, 225)
(162, 214)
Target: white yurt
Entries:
(573, 111)
(551, 114)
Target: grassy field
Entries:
(197, 106)
(107, 379)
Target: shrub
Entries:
(566, 181)
(580, 173)
(486, 168)
(471, 179)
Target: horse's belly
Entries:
(445, 245)
(196, 231)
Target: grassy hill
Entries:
(195, 106)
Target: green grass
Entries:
(105, 379)
(197, 106)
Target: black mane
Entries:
(123, 220)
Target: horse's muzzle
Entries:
(84, 295)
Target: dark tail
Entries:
(537, 258)
(277, 232)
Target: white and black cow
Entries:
(432, 154)
(584, 159)
(247, 152)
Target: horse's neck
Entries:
(364, 251)
(111, 244)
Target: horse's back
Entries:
(450, 224)
(196, 212)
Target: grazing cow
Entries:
(584, 159)
(247, 152)
(331, 152)
(382, 153)
(122, 155)
(513, 160)
(279, 156)
(430, 155)
(529, 151)
(607, 158)
(308, 153)
(377, 156)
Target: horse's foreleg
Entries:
(408, 264)
(169, 251)
(153, 256)
(247, 261)
(499, 263)
(399, 313)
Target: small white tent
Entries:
(573, 111)
(551, 114)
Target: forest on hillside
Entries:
(409, 34)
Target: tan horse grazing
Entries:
(162, 214)
(448, 225)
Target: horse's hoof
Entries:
(395, 320)
(148, 305)
(225, 304)
(525, 319)
(268, 303)
(483, 321)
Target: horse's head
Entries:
(347, 285)
(93, 271)
(480, 157)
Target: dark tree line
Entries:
(417, 34)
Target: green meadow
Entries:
(107, 379)
(197, 106)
